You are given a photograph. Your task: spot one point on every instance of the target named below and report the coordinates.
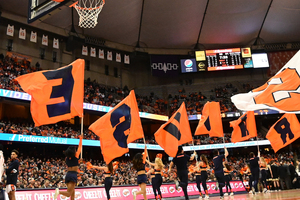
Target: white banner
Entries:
(55, 43)
(33, 37)
(93, 52)
(22, 33)
(84, 51)
(45, 40)
(101, 53)
(126, 59)
(109, 55)
(10, 30)
(118, 57)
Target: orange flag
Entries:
(119, 127)
(285, 131)
(244, 128)
(145, 154)
(210, 122)
(56, 95)
(175, 132)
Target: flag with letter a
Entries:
(175, 132)
(244, 128)
(56, 95)
(281, 92)
(285, 131)
(211, 121)
(119, 127)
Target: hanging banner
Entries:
(84, 51)
(101, 53)
(10, 30)
(45, 40)
(55, 44)
(109, 55)
(93, 52)
(126, 59)
(164, 65)
(118, 57)
(33, 37)
(22, 33)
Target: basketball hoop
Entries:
(88, 11)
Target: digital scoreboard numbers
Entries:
(224, 59)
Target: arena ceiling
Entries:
(178, 24)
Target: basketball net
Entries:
(88, 11)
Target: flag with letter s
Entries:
(285, 131)
(56, 94)
(119, 127)
(175, 132)
(244, 128)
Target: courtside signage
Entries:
(96, 143)
(86, 106)
(123, 192)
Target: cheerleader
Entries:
(108, 171)
(201, 175)
(72, 157)
(157, 180)
(142, 177)
(227, 169)
(263, 170)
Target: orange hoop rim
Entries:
(81, 8)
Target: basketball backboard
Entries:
(41, 9)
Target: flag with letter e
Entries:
(244, 128)
(285, 131)
(210, 122)
(119, 127)
(56, 95)
(281, 92)
(175, 132)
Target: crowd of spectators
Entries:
(96, 93)
(50, 173)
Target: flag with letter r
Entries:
(119, 127)
(244, 128)
(210, 122)
(175, 132)
(285, 131)
(56, 95)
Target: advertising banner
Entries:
(123, 192)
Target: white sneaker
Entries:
(231, 194)
(216, 188)
(221, 197)
(134, 195)
(251, 192)
(265, 190)
(200, 198)
(176, 184)
(206, 196)
(226, 194)
(56, 193)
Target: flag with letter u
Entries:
(175, 132)
(211, 121)
(56, 95)
(285, 131)
(119, 127)
(244, 128)
(281, 92)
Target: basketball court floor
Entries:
(282, 195)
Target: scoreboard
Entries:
(224, 59)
